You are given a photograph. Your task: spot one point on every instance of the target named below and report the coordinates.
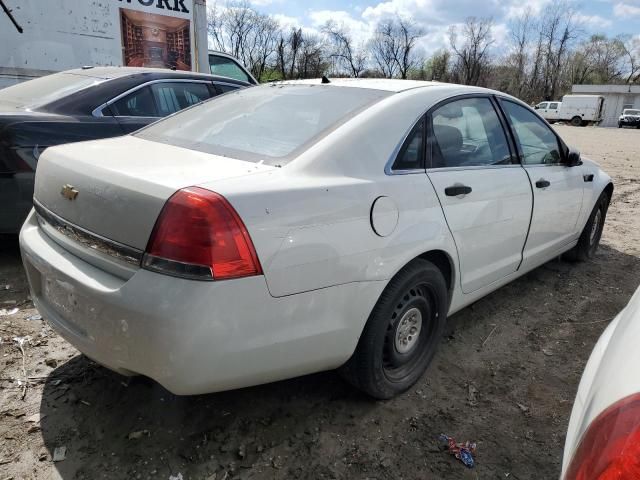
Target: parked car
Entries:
(629, 118)
(296, 227)
(84, 104)
(578, 110)
(225, 65)
(550, 111)
(603, 440)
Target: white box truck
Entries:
(39, 37)
(578, 110)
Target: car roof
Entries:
(389, 85)
(110, 73)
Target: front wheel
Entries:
(402, 333)
(589, 240)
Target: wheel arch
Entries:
(442, 260)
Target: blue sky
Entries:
(612, 17)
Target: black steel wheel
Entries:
(402, 333)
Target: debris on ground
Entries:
(5, 312)
(472, 396)
(176, 477)
(138, 434)
(462, 451)
(35, 317)
(59, 454)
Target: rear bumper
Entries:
(192, 337)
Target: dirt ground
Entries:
(505, 376)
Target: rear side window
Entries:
(225, 87)
(411, 156)
(263, 124)
(137, 104)
(226, 67)
(171, 97)
(537, 141)
(468, 133)
(553, 106)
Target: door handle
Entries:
(455, 190)
(542, 183)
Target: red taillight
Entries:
(610, 448)
(199, 235)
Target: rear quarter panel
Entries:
(311, 220)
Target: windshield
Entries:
(265, 123)
(44, 90)
(631, 112)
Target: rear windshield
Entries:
(267, 124)
(44, 90)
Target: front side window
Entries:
(537, 141)
(411, 156)
(468, 133)
(137, 104)
(542, 106)
(172, 97)
(226, 67)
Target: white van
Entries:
(575, 109)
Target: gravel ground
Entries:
(505, 376)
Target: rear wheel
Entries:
(402, 332)
(576, 121)
(590, 238)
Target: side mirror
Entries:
(536, 107)
(573, 158)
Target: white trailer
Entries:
(575, 109)
(41, 37)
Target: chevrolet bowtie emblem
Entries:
(69, 192)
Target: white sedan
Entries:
(603, 441)
(297, 227)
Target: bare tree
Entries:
(472, 51)
(521, 30)
(408, 33)
(343, 49)
(438, 66)
(384, 48)
(243, 32)
(631, 55)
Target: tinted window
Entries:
(411, 156)
(263, 123)
(538, 142)
(466, 133)
(44, 90)
(137, 104)
(171, 97)
(553, 106)
(226, 67)
(225, 87)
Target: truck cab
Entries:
(550, 111)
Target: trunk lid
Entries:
(123, 183)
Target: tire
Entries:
(576, 121)
(589, 240)
(388, 358)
